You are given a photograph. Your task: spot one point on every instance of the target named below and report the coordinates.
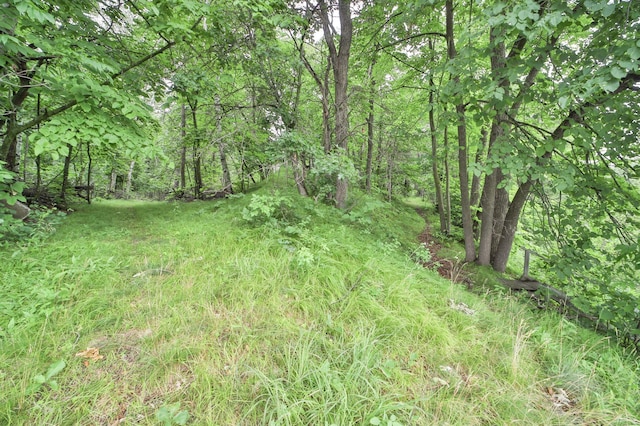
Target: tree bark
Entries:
(447, 180)
(370, 124)
(322, 81)
(340, 61)
(197, 160)
(90, 161)
(467, 223)
(113, 180)
(499, 212)
(298, 175)
(488, 200)
(183, 154)
(65, 174)
(226, 175)
(475, 181)
(510, 226)
(434, 159)
(130, 177)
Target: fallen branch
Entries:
(542, 292)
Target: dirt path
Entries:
(447, 268)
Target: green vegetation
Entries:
(308, 294)
(516, 120)
(267, 308)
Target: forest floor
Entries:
(219, 313)
(450, 269)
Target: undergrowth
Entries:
(271, 309)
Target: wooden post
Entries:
(525, 272)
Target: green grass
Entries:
(313, 318)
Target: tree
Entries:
(339, 57)
(465, 203)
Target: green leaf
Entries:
(375, 421)
(55, 368)
(610, 85)
(594, 6)
(181, 417)
(563, 101)
(618, 72)
(606, 315)
(634, 52)
(608, 10)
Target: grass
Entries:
(307, 316)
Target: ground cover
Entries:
(268, 309)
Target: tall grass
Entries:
(315, 317)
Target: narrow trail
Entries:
(447, 268)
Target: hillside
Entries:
(270, 309)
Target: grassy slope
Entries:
(325, 322)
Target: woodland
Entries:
(516, 122)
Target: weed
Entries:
(170, 415)
(270, 209)
(47, 379)
(421, 255)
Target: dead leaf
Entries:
(91, 353)
(439, 381)
(462, 307)
(560, 398)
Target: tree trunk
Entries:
(510, 226)
(25, 150)
(467, 223)
(226, 175)
(65, 174)
(488, 201)
(8, 150)
(475, 181)
(113, 180)
(489, 193)
(499, 212)
(340, 61)
(513, 215)
(434, 158)
(447, 180)
(298, 175)
(183, 155)
(370, 124)
(10, 143)
(326, 111)
(129, 177)
(38, 175)
(90, 161)
(197, 160)
(390, 170)
(380, 151)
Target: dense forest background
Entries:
(517, 120)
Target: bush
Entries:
(269, 209)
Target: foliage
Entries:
(10, 192)
(171, 414)
(215, 312)
(118, 87)
(47, 378)
(328, 168)
(268, 209)
(421, 255)
(10, 189)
